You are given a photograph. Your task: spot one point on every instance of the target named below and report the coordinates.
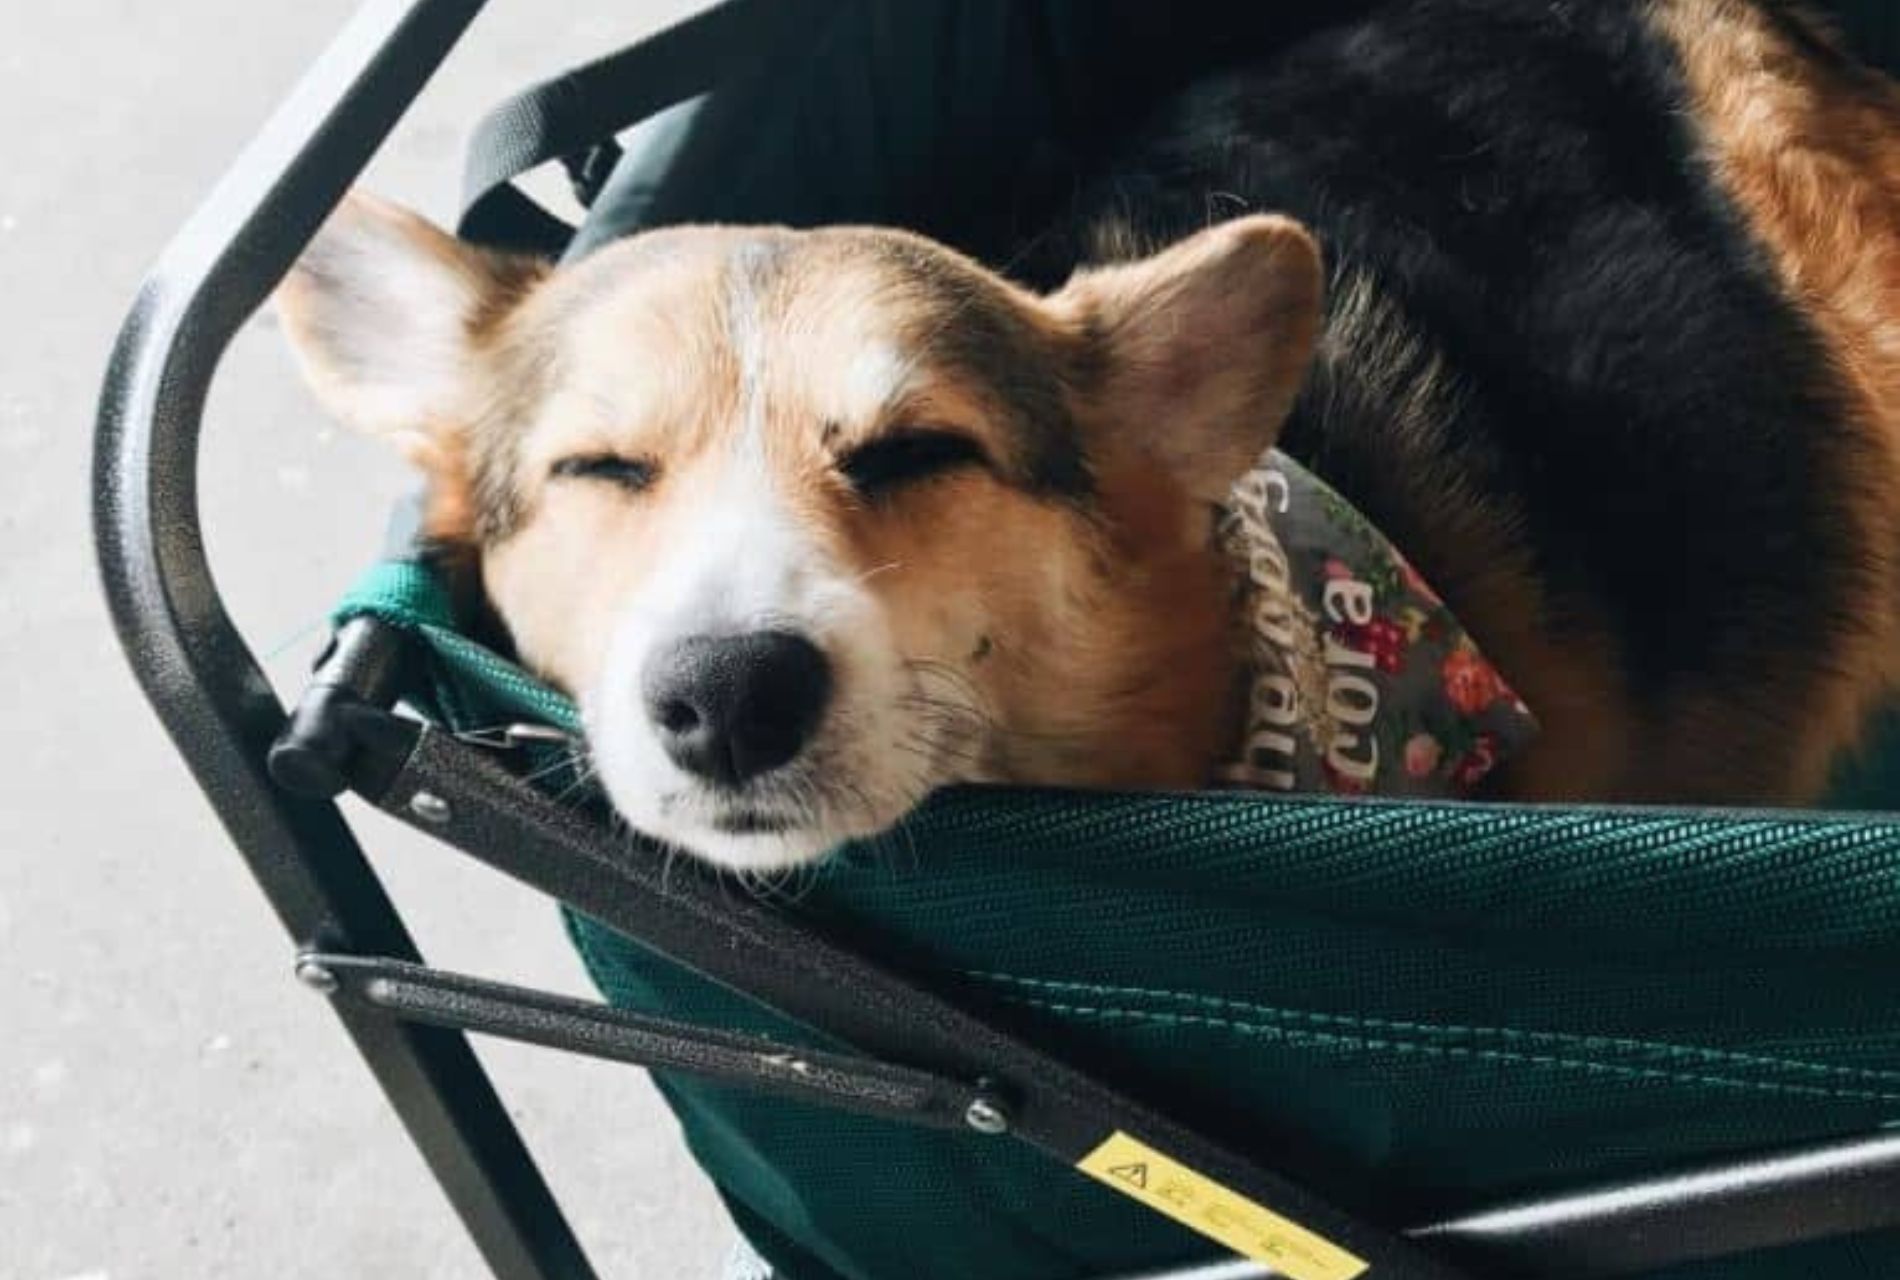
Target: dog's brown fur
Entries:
(1807, 145)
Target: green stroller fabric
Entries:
(1420, 1007)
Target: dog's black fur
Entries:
(1616, 380)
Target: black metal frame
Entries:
(914, 1055)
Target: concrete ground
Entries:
(171, 1104)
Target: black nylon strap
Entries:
(572, 115)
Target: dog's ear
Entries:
(1198, 352)
(388, 314)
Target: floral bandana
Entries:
(1362, 681)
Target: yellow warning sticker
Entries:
(1167, 1186)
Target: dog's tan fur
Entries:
(467, 308)
(1808, 147)
(1086, 637)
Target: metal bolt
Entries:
(315, 975)
(986, 1116)
(429, 806)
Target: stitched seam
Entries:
(1507, 1034)
(1367, 1043)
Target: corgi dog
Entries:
(1593, 307)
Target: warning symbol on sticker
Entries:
(1196, 1201)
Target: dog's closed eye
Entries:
(906, 456)
(631, 474)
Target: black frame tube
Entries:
(851, 1082)
(214, 700)
(204, 683)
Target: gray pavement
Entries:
(171, 1105)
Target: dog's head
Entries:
(812, 523)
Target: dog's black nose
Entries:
(728, 708)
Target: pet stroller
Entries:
(1030, 1034)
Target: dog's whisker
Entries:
(567, 760)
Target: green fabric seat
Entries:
(1421, 1007)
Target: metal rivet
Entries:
(429, 806)
(986, 1116)
(316, 976)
